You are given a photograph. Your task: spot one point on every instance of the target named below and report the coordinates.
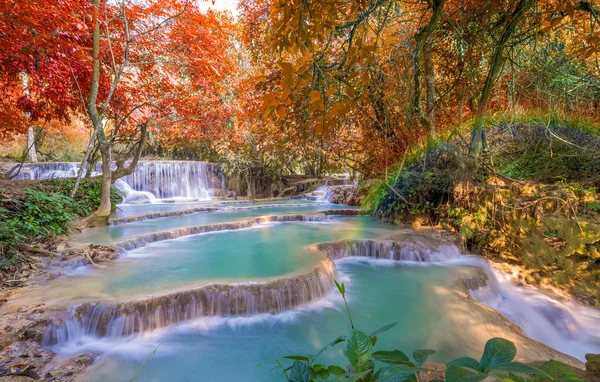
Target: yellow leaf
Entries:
(350, 91)
(268, 111)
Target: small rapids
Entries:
(568, 327)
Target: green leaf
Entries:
(300, 372)
(497, 351)
(297, 357)
(521, 368)
(320, 371)
(398, 373)
(358, 349)
(383, 329)
(560, 371)
(336, 370)
(351, 377)
(458, 374)
(394, 356)
(421, 355)
(341, 288)
(467, 362)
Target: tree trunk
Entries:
(478, 134)
(31, 150)
(83, 163)
(430, 92)
(421, 38)
(105, 207)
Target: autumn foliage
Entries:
(294, 86)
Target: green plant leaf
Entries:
(300, 372)
(297, 357)
(341, 288)
(394, 356)
(497, 351)
(398, 373)
(358, 349)
(560, 371)
(456, 373)
(320, 371)
(521, 368)
(351, 377)
(421, 355)
(336, 370)
(383, 329)
(467, 362)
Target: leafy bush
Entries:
(44, 212)
(367, 365)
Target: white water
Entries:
(151, 182)
(568, 327)
(324, 194)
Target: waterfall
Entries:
(128, 318)
(48, 170)
(150, 182)
(172, 179)
(324, 194)
(391, 250)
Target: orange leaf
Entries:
(315, 95)
(281, 111)
(286, 67)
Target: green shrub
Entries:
(44, 212)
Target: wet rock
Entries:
(592, 366)
(24, 358)
(23, 325)
(101, 253)
(221, 193)
(16, 378)
(346, 194)
(70, 369)
(436, 372)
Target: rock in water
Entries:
(592, 366)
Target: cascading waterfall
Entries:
(172, 179)
(150, 182)
(324, 194)
(568, 327)
(49, 170)
(390, 250)
(124, 319)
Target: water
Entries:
(267, 251)
(324, 194)
(415, 297)
(151, 181)
(217, 304)
(101, 235)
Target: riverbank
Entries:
(533, 205)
